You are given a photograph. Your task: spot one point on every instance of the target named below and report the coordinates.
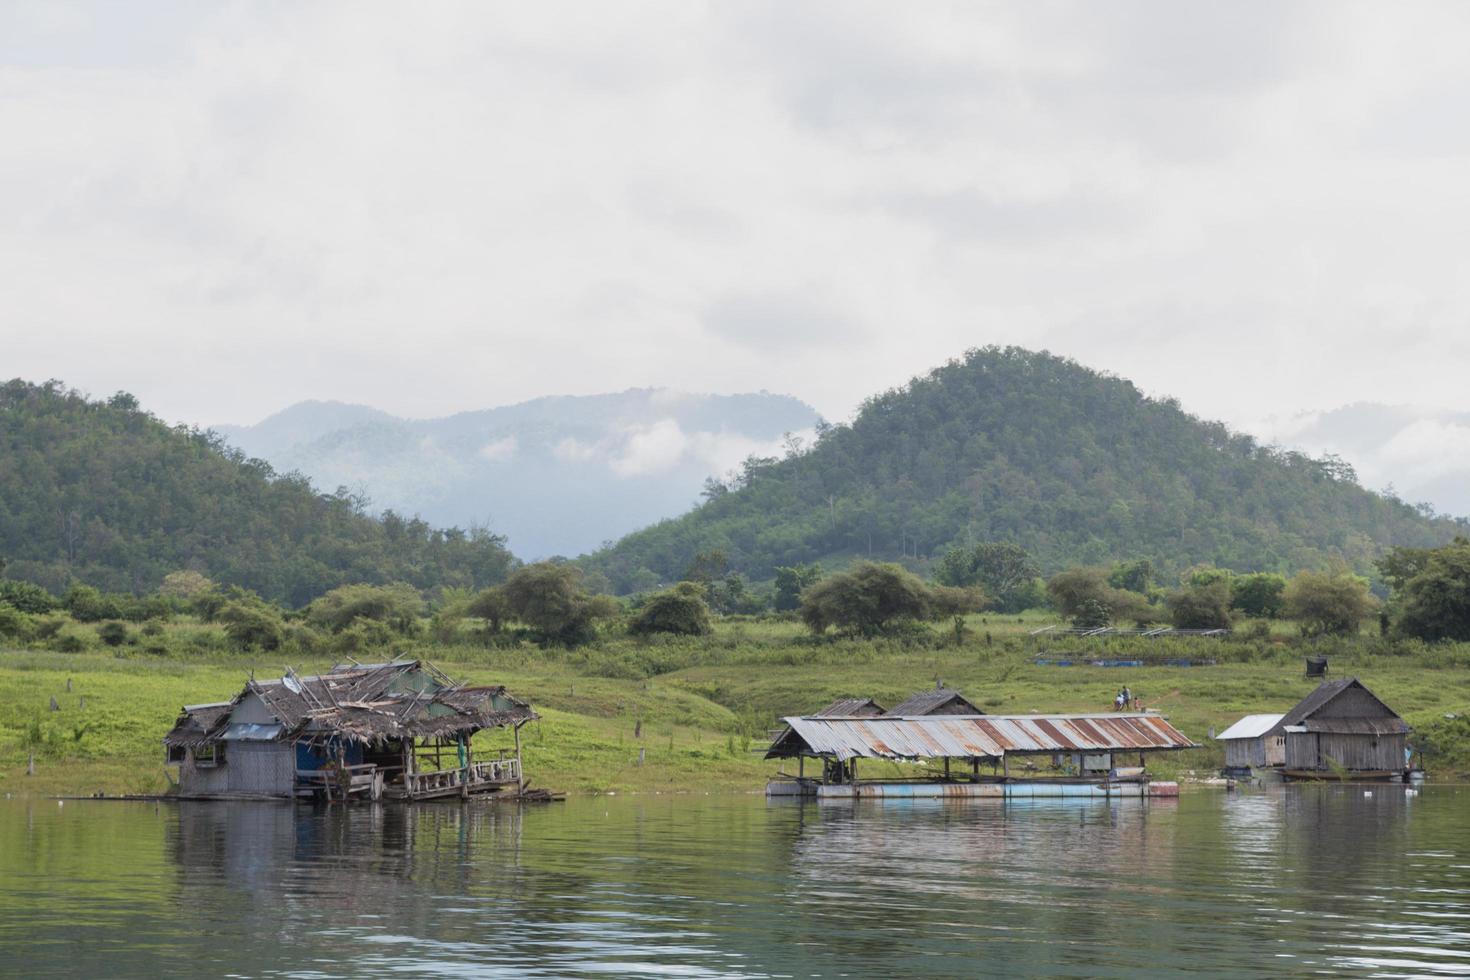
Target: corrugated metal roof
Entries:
(1251, 726)
(984, 736)
(933, 702)
(851, 707)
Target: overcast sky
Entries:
(1259, 208)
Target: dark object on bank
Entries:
(1316, 666)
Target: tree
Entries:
(252, 625)
(185, 584)
(1328, 603)
(398, 605)
(1201, 607)
(866, 600)
(1003, 570)
(790, 581)
(25, 597)
(1086, 589)
(549, 598)
(681, 611)
(1435, 602)
(707, 566)
(1134, 576)
(871, 598)
(492, 606)
(1260, 594)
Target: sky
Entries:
(1259, 208)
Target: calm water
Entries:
(1300, 880)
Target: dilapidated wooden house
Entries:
(1342, 727)
(399, 730)
(851, 708)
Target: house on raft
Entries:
(1253, 744)
(398, 731)
(1343, 731)
(840, 744)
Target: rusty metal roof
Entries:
(975, 736)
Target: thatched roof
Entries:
(363, 702)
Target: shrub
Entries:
(26, 597)
(681, 611)
(1084, 593)
(1261, 595)
(1436, 601)
(14, 624)
(88, 605)
(398, 605)
(492, 606)
(113, 633)
(1328, 603)
(252, 625)
(1201, 607)
(186, 584)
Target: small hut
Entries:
(851, 708)
(1343, 726)
(1250, 743)
(399, 730)
(940, 701)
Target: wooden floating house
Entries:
(839, 743)
(1254, 743)
(398, 730)
(1343, 730)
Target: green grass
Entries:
(704, 704)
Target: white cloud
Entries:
(227, 209)
(499, 450)
(651, 449)
(571, 450)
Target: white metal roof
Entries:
(1251, 726)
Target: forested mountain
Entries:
(556, 475)
(1012, 445)
(104, 493)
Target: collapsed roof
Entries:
(357, 702)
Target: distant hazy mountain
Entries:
(1424, 454)
(557, 475)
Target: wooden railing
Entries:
(365, 779)
(477, 774)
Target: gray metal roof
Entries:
(975, 736)
(929, 702)
(1251, 726)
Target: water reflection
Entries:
(1290, 879)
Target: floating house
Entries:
(398, 730)
(1253, 743)
(940, 701)
(840, 744)
(1342, 730)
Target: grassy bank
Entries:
(698, 708)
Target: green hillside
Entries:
(106, 494)
(1013, 445)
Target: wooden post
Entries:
(946, 769)
(800, 766)
(1005, 765)
(520, 769)
(31, 765)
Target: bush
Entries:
(1084, 593)
(113, 633)
(1328, 603)
(681, 611)
(26, 597)
(14, 624)
(1261, 595)
(492, 606)
(186, 585)
(252, 625)
(1201, 607)
(399, 606)
(88, 605)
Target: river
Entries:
(1286, 881)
